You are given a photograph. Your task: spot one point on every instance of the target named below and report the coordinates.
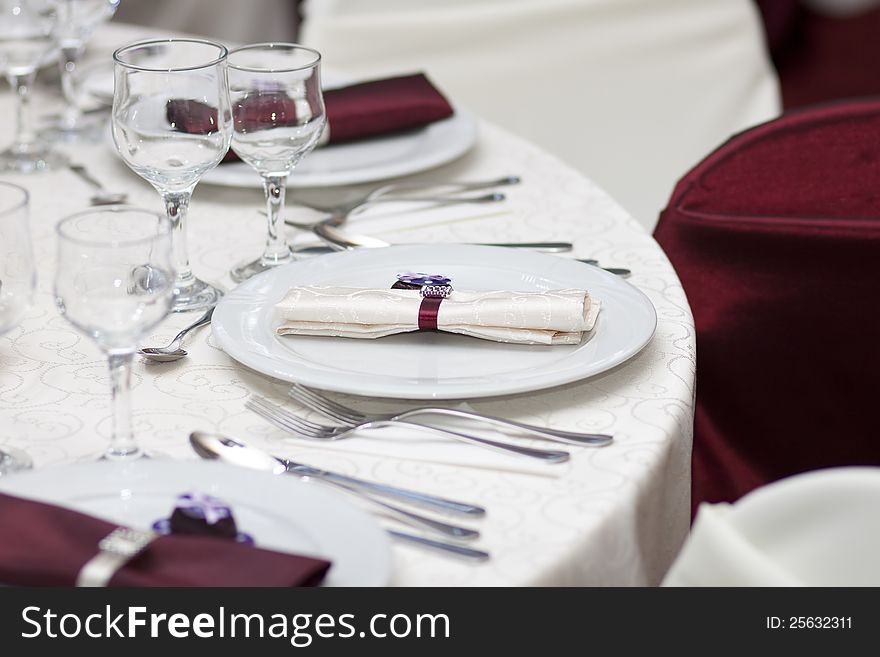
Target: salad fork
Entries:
(336, 411)
(286, 420)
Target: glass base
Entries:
(13, 460)
(82, 132)
(251, 268)
(33, 158)
(198, 295)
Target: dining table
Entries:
(610, 516)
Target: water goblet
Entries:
(77, 20)
(99, 289)
(278, 117)
(17, 281)
(27, 40)
(157, 83)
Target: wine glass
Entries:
(17, 281)
(278, 116)
(99, 289)
(158, 84)
(27, 29)
(77, 20)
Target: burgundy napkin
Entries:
(359, 111)
(776, 239)
(45, 545)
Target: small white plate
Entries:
(281, 512)
(369, 160)
(432, 365)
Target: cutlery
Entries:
(457, 550)
(307, 429)
(239, 453)
(341, 241)
(340, 212)
(172, 351)
(336, 411)
(401, 515)
(434, 201)
(102, 196)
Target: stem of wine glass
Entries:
(276, 249)
(67, 63)
(176, 207)
(122, 443)
(23, 133)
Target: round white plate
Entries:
(282, 513)
(368, 160)
(432, 365)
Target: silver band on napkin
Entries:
(114, 551)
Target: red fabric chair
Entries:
(776, 239)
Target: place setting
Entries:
(331, 316)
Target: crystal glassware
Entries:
(17, 281)
(77, 20)
(27, 40)
(100, 289)
(278, 117)
(158, 83)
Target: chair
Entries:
(816, 529)
(630, 92)
(776, 239)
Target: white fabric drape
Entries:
(815, 529)
(630, 92)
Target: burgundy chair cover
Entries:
(776, 239)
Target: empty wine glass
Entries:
(27, 40)
(77, 20)
(17, 281)
(158, 84)
(99, 289)
(278, 116)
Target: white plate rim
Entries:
(455, 136)
(229, 309)
(368, 565)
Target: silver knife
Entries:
(233, 451)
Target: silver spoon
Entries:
(173, 351)
(102, 196)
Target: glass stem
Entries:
(24, 135)
(67, 64)
(122, 444)
(276, 243)
(176, 206)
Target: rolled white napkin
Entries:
(551, 317)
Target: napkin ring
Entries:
(114, 551)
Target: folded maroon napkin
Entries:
(358, 111)
(45, 545)
(776, 237)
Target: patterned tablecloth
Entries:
(611, 516)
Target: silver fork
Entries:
(395, 192)
(336, 411)
(286, 420)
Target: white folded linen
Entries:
(551, 317)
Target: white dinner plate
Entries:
(280, 512)
(368, 160)
(432, 365)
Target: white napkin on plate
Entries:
(548, 318)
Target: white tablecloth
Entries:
(612, 516)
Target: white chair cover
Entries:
(630, 92)
(816, 529)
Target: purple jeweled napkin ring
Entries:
(433, 288)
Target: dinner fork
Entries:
(340, 212)
(336, 411)
(286, 420)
